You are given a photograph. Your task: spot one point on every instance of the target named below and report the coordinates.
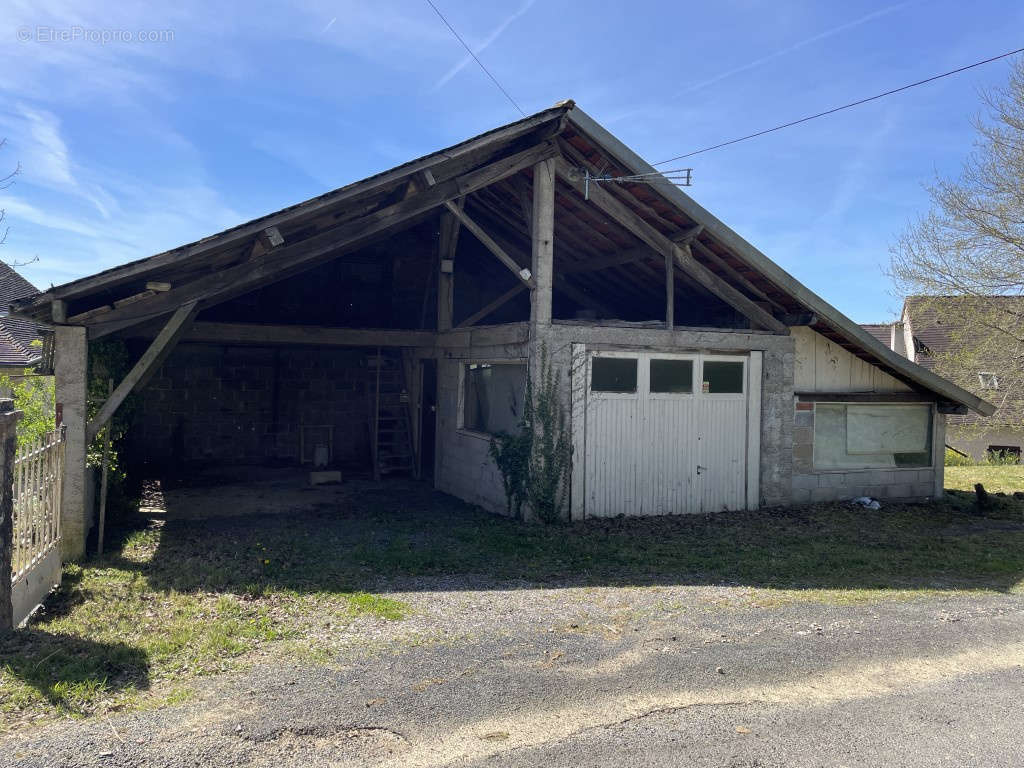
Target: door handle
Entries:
(699, 468)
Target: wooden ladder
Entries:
(390, 432)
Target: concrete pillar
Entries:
(8, 445)
(71, 356)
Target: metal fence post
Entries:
(8, 445)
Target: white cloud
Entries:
(793, 48)
(484, 44)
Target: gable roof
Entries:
(664, 212)
(942, 325)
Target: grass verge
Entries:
(177, 601)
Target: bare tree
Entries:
(5, 182)
(970, 245)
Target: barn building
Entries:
(392, 325)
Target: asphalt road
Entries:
(930, 682)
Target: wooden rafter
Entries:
(291, 259)
(681, 255)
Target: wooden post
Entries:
(670, 293)
(543, 239)
(104, 479)
(448, 241)
(8, 444)
(376, 424)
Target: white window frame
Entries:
(742, 395)
(693, 357)
(874, 467)
(640, 377)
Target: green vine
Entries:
(535, 462)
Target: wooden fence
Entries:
(35, 543)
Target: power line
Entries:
(839, 109)
(470, 52)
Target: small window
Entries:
(674, 376)
(988, 380)
(493, 397)
(613, 374)
(723, 377)
(1003, 454)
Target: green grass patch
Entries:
(178, 601)
(997, 478)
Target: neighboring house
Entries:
(404, 314)
(948, 334)
(19, 338)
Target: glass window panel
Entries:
(832, 422)
(494, 395)
(723, 377)
(672, 376)
(613, 374)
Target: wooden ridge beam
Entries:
(147, 365)
(663, 245)
(292, 259)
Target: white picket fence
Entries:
(35, 545)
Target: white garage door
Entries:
(667, 433)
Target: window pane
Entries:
(841, 438)
(494, 397)
(613, 374)
(723, 377)
(672, 376)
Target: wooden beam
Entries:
(542, 239)
(158, 286)
(292, 259)
(663, 245)
(448, 242)
(485, 310)
(147, 365)
(481, 235)
(719, 262)
(670, 293)
(306, 335)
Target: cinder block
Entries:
(899, 491)
(824, 494)
(801, 496)
(805, 482)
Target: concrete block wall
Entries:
(222, 405)
(810, 485)
(777, 425)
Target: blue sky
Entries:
(128, 148)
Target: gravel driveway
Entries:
(508, 674)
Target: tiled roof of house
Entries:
(943, 325)
(881, 331)
(16, 333)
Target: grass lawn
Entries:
(1005, 478)
(178, 600)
